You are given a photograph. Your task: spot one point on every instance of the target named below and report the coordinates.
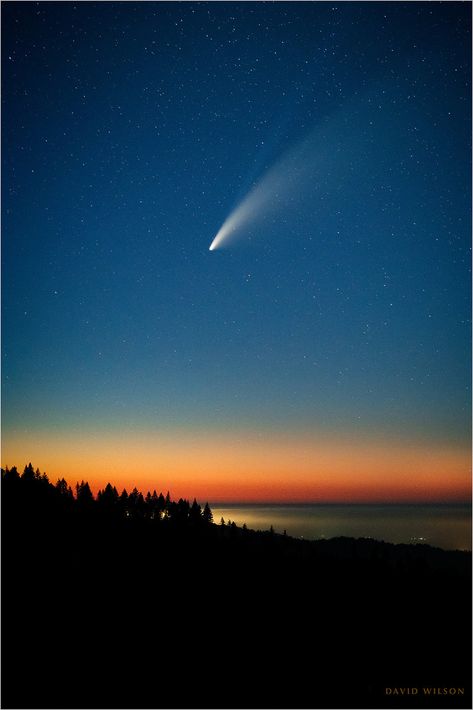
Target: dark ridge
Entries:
(138, 601)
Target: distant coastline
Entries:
(136, 566)
(444, 525)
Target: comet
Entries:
(270, 194)
(327, 159)
(246, 211)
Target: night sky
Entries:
(325, 353)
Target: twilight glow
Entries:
(246, 467)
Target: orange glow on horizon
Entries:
(247, 468)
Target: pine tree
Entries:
(83, 494)
(11, 474)
(28, 473)
(195, 513)
(207, 514)
(108, 498)
(63, 489)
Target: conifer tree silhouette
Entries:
(11, 474)
(84, 495)
(195, 513)
(63, 489)
(207, 514)
(28, 473)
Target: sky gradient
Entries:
(322, 355)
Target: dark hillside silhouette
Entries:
(138, 601)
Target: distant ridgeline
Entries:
(126, 600)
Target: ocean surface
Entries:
(445, 526)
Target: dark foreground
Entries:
(101, 610)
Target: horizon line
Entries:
(461, 498)
(339, 502)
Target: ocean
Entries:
(445, 526)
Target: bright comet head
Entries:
(218, 237)
(228, 227)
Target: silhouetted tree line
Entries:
(129, 600)
(109, 501)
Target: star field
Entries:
(130, 132)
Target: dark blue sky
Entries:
(131, 130)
